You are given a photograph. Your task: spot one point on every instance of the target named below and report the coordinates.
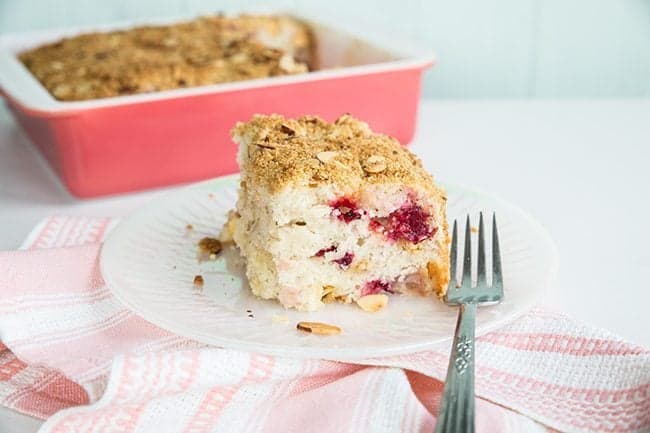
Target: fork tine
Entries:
(467, 259)
(453, 257)
(481, 277)
(497, 276)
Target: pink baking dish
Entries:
(127, 143)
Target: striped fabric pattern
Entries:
(72, 354)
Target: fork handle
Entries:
(457, 406)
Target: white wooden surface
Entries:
(487, 49)
(580, 167)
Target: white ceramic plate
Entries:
(149, 262)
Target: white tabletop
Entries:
(581, 167)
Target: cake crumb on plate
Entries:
(209, 248)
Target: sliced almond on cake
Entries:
(372, 303)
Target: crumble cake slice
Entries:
(334, 212)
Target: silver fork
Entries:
(457, 406)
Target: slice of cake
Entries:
(334, 212)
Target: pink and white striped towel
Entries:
(72, 353)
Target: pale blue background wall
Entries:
(487, 48)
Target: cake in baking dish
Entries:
(334, 212)
(207, 50)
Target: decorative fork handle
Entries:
(457, 406)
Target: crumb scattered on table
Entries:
(198, 281)
(473, 229)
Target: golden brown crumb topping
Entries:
(207, 50)
(309, 151)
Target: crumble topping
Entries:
(207, 50)
(309, 151)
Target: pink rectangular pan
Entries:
(134, 142)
